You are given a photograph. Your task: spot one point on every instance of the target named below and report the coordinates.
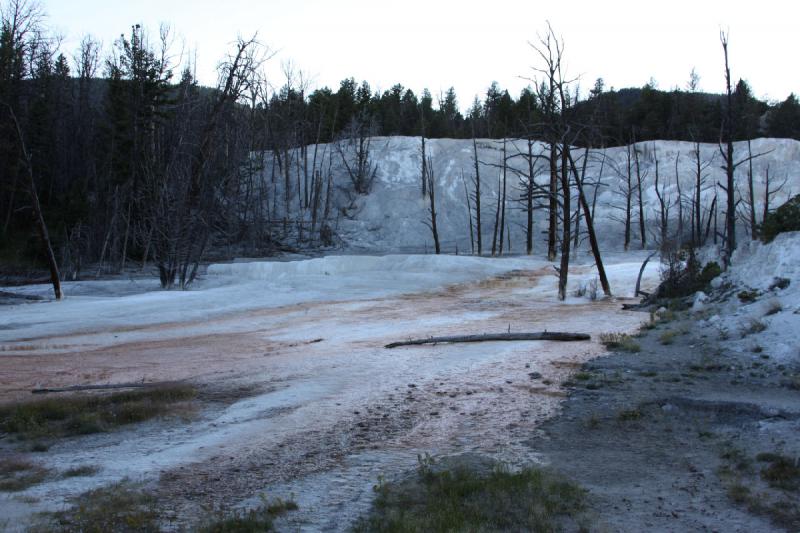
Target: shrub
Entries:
(785, 218)
(619, 341)
(748, 296)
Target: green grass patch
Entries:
(66, 416)
(461, 499)
(620, 342)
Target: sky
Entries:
(466, 44)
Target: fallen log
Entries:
(110, 386)
(538, 336)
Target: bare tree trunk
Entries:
(753, 224)
(529, 201)
(642, 221)
(496, 217)
(730, 215)
(766, 196)
(503, 201)
(698, 214)
(553, 205)
(469, 214)
(47, 248)
(587, 213)
(478, 228)
(563, 271)
(680, 200)
(424, 155)
(628, 198)
(432, 198)
(663, 210)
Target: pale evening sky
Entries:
(469, 44)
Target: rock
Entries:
(699, 301)
(716, 283)
(535, 375)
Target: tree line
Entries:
(122, 157)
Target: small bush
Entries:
(782, 473)
(748, 296)
(785, 218)
(780, 284)
(774, 308)
(710, 271)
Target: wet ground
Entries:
(305, 401)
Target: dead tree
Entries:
(700, 176)
(424, 157)
(359, 166)
(640, 176)
(477, 182)
(44, 235)
(727, 154)
(680, 199)
(769, 193)
(497, 214)
(469, 214)
(589, 216)
(663, 203)
(503, 200)
(431, 189)
(625, 190)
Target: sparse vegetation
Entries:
(748, 296)
(785, 218)
(668, 337)
(461, 499)
(628, 415)
(18, 474)
(251, 520)
(80, 471)
(121, 507)
(782, 473)
(65, 416)
(619, 341)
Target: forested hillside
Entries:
(120, 157)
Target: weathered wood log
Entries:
(110, 386)
(538, 336)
